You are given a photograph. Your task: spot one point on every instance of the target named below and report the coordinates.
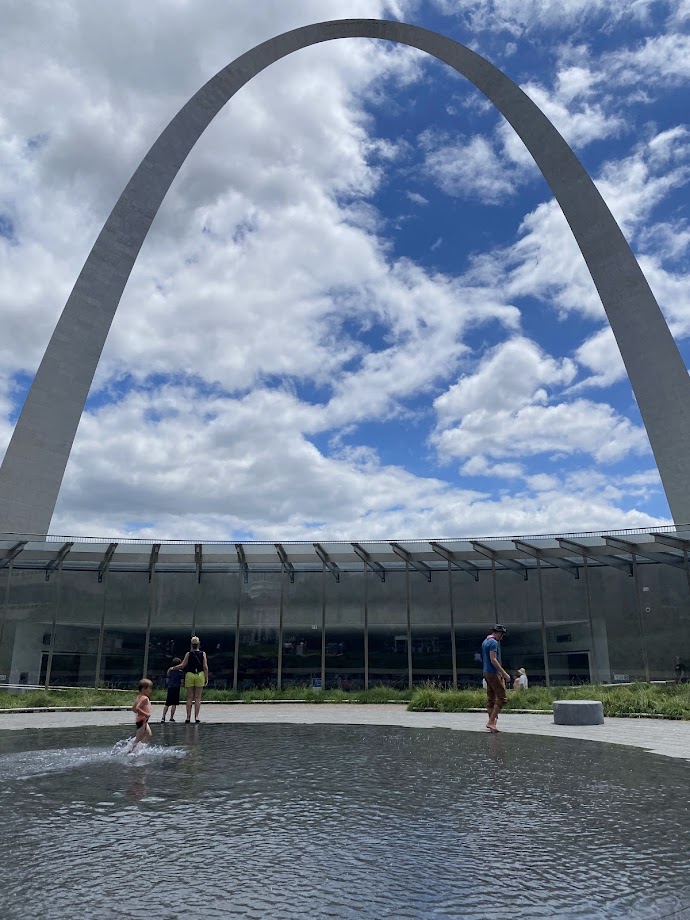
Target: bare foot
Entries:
(492, 728)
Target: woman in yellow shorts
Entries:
(195, 669)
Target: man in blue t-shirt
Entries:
(494, 675)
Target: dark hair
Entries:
(177, 661)
(144, 683)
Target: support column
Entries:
(195, 600)
(544, 643)
(279, 678)
(323, 625)
(493, 583)
(153, 559)
(6, 602)
(152, 605)
(453, 654)
(409, 625)
(56, 611)
(101, 633)
(366, 630)
(640, 617)
(593, 667)
(236, 659)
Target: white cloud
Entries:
(215, 465)
(103, 81)
(428, 343)
(545, 262)
(504, 410)
(520, 16)
(672, 290)
(644, 478)
(634, 186)
(659, 59)
(480, 466)
(681, 12)
(468, 169)
(601, 355)
(579, 427)
(544, 482)
(492, 168)
(509, 377)
(568, 107)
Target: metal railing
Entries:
(147, 541)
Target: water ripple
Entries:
(342, 822)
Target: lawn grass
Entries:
(658, 700)
(86, 697)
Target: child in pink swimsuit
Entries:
(142, 712)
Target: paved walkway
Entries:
(658, 736)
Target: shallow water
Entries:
(276, 821)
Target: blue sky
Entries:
(359, 313)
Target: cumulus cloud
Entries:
(545, 261)
(581, 426)
(492, 168)
(600, 354)
(660, 58)
(468, 168)
(520, 16)
(510, 376)
(505, 410)
(215, 464)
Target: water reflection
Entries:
(332, 821)
(137, 788)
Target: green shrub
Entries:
(661, 700)
(79, 696)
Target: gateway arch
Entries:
(34, 465)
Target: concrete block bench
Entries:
(578, 712)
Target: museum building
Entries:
(607, 607)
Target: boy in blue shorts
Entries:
(172, 698)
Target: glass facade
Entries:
(344, 657)
(82, 615)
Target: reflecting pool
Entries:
(318, 821)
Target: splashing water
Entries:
(123, 749)
(30, 764)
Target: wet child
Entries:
(174, 683)
(142, 712)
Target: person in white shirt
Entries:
(521, 682)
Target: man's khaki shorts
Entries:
(495, 691)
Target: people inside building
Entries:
(681, 670)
